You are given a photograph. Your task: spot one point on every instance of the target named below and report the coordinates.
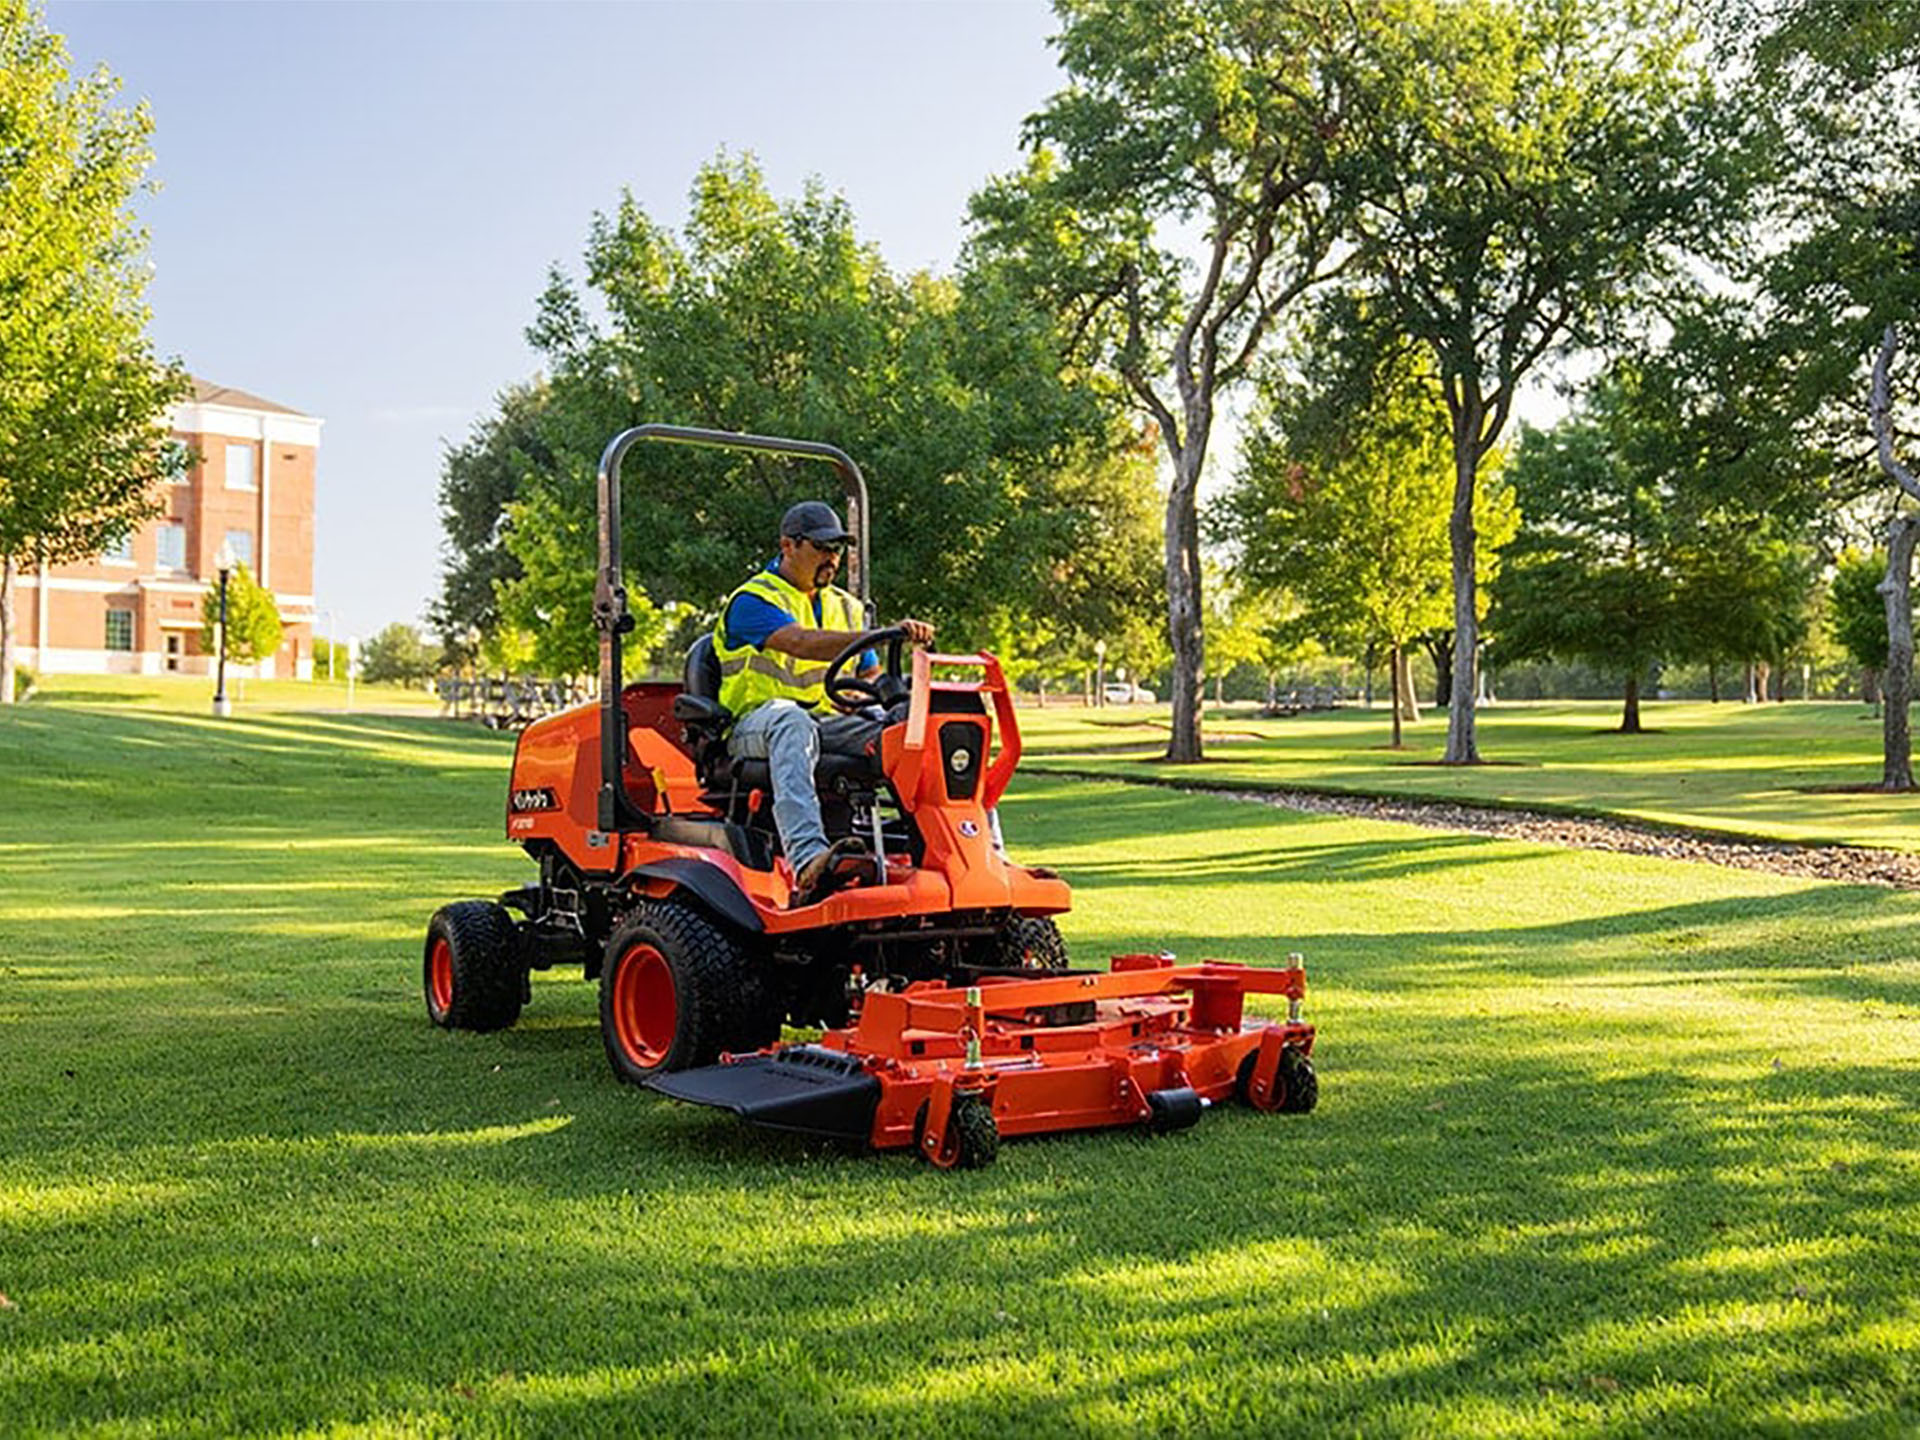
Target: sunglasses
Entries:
(827, 547)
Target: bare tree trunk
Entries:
(1870, 688)
(1183, 605)
(6, 630)
(1395, 672)
(1762, 681)
(1630, 717)
(1713, 682)
(1462, 745)
(1440, 650)
(1896, 681)
(1409, 701)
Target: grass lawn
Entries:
(1768, 770)
(1606, 1145)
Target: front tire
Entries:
(675, 991)
(1030, 942)
(472, 973)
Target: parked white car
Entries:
(1121, 693)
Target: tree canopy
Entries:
(83, 400)
(1004, 497)
(1225, 116)
(253, 619)
(1343, 503)
(1541, 165)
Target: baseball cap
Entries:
(814, 520)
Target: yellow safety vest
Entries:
(750, 676)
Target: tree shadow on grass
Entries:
(1536, 1242)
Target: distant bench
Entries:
(1302, 698)
(504, 704)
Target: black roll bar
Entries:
(611, 616)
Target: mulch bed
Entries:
(1847, 864)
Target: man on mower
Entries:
(774, 638)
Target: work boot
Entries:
(826, 872)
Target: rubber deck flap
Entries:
(803, 1088)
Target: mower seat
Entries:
(698, 708)
(698, 703)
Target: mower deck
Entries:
(950, 1070)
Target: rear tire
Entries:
(472, 974)
(675, 991)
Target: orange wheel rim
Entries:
(646, 1011)
(440, 975)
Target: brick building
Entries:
(136, 610)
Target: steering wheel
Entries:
(850, 692)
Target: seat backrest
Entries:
(703, 669)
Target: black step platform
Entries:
(802, 1088)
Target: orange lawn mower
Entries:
(950, 1015)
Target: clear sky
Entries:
(360, 201)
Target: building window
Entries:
(240, 467)
(240, 542)
(119, 629)
(121, 553)
(173, 546)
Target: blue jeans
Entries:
(790, 738)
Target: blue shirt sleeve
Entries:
(751, 619)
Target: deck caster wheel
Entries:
(1296, 1089)
(973, 1139)
(473, 976)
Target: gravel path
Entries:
(1844, 863)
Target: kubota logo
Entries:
(525, 800)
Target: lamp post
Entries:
(224, 563)
(1100, 672)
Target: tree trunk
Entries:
(1870, 688)
(1183, 605)
(1394, 673)
(1440, 650)
(6, 630)
(1713, 682)
(1409, 701)
(1630, 717)
(1462, 745)
(1896, 681)
(1762, 681)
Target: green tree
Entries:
(1541, 165)
(1832, 83)
(1344, 500)
(83, 436)
(480, 480)
(253, 619)
(988, 463)
(1591, 574)
(398, 655)
(1228, 117)
(329, 660)
(1857, 616)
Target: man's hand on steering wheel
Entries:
(885, 687)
